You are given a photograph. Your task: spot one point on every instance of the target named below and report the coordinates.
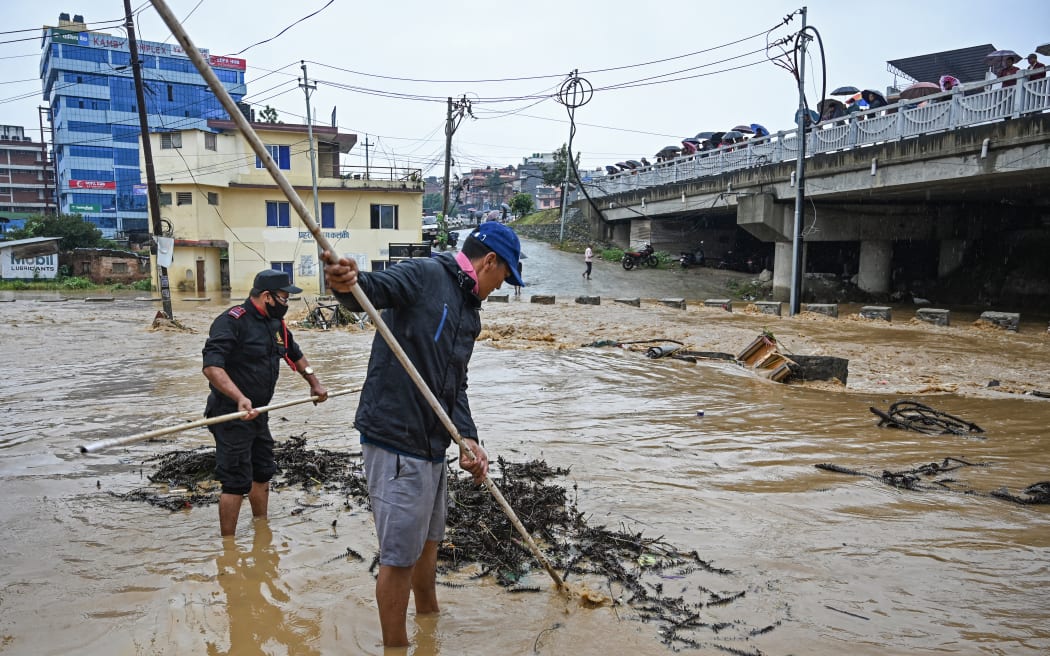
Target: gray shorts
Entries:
(409, 503)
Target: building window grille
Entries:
(184, 198)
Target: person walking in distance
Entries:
(242, 359)
(588, 259)
(432, 307)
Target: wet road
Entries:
(837, 564)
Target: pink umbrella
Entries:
(949, 82)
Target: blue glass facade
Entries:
(88, 82)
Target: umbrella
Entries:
(998, 59)
(813, 116)
(623, 166)
(759, 130)
(949, 82)
(746, 129)
(830, 108)
(705, 135)
(669, 151)
(689, 146)
(611, 169)
(877, 101)
(920, 89)
(634, 164)
(845, 91)
(1043, 49)
(733, 136)
(692, 140)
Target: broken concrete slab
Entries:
(827, 309)
(499, 298)
(636, 302)
(879, 312)
(1007, 320)
(673, 302)
(768, 307)
(589, 300)
(542, 299)
(936, 316)
(724, 303)
(819, 367)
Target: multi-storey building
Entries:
(27, 185)
(88, 82)
(230, 220)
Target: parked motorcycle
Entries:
(646, 256)
(693, 258)
(738, 262)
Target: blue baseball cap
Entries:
(502, 241)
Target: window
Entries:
(119, 267)
(184, 198)
(210, 141)
(213, 198)
(280, 154)
(328, 215)
(285, 267)
(384, 217)
(169, 140)
(165, 197)
(277, 215)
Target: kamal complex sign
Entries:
(109, 42)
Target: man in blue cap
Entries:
(242, 359)
(431, 305)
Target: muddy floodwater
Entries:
(706, 455)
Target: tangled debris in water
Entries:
(922, 478)
(677, 590)
(911, 415)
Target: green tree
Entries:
(554, 174)
(72, 228)
(268, 115)
(432, 203)
(522, 204)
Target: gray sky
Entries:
(351, 44)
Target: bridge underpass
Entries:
(868, 210)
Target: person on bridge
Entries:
(1009, 69)
(1035, 64)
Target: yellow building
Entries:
(229, 220)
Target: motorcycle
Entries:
(736, 262)
(693, 258)
(646, 256)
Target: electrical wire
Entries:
(311, 15)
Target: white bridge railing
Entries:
(964, 106)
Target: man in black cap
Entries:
(242, 359)
(432, 308)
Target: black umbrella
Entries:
(705, 135)
(611, 169)
(879, 99)
(623, 166)
(692, 140)
(746, 129)
(732, 136)
(845, 91)
(668, 152)
(634, 164)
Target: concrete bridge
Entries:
(897, 184)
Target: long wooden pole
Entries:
(293, 198)
(138, 437)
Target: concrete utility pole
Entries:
(800, 175)
(147, 155)
(304, 84)
(456, 111)
(574, 92)
(367, 145)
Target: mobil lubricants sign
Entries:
(19, 259)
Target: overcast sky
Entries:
(354, 48)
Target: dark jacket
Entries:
(250, 346)
(430, 307)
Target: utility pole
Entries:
(456, 111)
(367, 145)
(304, 84)
(800, 176)
(574, 92)
(147, 155)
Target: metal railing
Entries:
(964, 106)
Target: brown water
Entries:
(840, 564)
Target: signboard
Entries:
(109, 42)
(218, 61)
(31, 266)
(138, 190)
(92, 184)
(80, 208)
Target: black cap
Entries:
(272, 280)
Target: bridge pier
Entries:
(875, 266)
(951, 256)
(782, 270)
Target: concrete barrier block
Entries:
(828, 309)
(589, 300)
(542, 299)
(769, 307)
(636, 302)
(724, 303)
(673, 302)
(882, 312)
(1007, 320)
(935, 316)
(499, 298)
